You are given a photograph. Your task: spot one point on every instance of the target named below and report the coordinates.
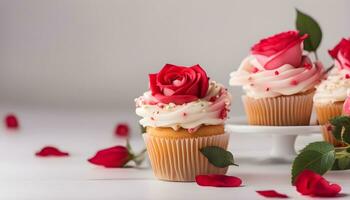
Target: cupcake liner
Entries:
(329, 137)
(293, 110)
(328, 111)
(180, 159)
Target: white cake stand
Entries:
(283, 137)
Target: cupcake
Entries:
(183, 112)
(278, 81)
(331, 93)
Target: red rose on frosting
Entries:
(341, 54)
(280, 49)
(178, 84)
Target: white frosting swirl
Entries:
(286, 80)
(334, 88)
(210, 110)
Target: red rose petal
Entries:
(112, 157)
(11, 121)
(322, 188)
(217, 180)
(305, 181)
(271, 194)
(311, 183)
(50, 151)
(122, 129)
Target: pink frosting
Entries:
(286, 80)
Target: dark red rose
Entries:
(112, 157)
(313, 184)
(341, 54)
(122, 130)
(50, 151)
(218, 180)
(178, 84)
(11, 121)
(280, 49)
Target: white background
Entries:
(96, 54)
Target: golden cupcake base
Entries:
(293, 110)
(179, 159)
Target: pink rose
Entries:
(178, 84)
(341, 54)
(280, 49)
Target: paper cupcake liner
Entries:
(328, 111)
(293, 110)
(180, 159)
(329, 137)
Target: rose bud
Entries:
(280, 49)
(116, 157)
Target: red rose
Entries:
(111, 157)
(178, 84)
(280, 49)
(341, 54)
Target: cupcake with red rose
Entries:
(183, 112)
(279, 81)
(331, 93)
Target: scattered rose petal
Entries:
(271, 194)
(11, 121)
(112, 157)
(122, 130)
(50, 151)
(311, 183)
(323, 188)
(217, 180)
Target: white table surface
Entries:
(81, 133)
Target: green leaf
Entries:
(344, 163)
(217, 156)
(341, 128)
(318, 157)
(336, 131)
(143, 129)
(346, 135)
(306, 24)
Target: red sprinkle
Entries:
(277, 73)
(254, 70)
(267, 89)
(223, 113)
(212, 99)
(307, 66)
(347, 76)
(294, 82)
(184, 114)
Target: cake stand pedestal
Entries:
(283, 138)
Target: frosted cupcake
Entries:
(183, 112)
(278, 81)
(331, 93)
